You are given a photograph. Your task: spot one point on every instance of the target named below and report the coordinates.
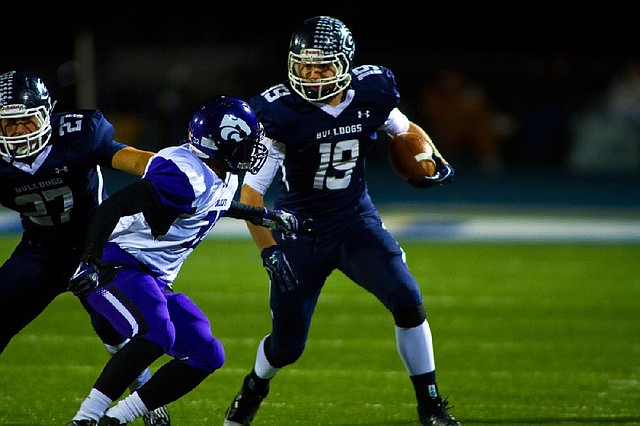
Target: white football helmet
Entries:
(321, 40)
(24, 95)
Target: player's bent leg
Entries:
(254, 390)
(172, 381)
(193, 341)
(245, 404)
(28, 284)
(142, 378)
(159, 416)
(415, 347)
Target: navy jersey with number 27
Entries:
(57, 193)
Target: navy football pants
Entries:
(364, 251)
(29, 281)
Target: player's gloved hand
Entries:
(282, 277)
(285, 222)
(91, 274)
(85, 279)
(443, 175)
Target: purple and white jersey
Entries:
(188, 188)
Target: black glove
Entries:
(443, 175)
(89, 275)
(285, 222)
(85, 279)
(282, 277)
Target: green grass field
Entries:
(535, 334)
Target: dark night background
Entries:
(541, 68)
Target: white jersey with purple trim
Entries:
(188, 189)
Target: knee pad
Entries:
(208, 357)
(284, 355)
(409, 317)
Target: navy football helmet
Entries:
(226, 128)
(321, 40)
(24, 97)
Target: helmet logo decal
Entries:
(233, 128)
(42, 89)
(348, 45)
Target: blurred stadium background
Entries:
(536, 105)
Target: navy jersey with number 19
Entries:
(320, 126)
(322, 153)
(323, 172)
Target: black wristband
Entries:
(243, 211)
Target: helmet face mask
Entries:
(321, 42)
(321, 88)
(225, 128)
(24, 98)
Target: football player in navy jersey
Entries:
(51, 175)
(137, 244)
(320, 125)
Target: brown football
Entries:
(410, 156)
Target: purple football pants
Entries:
(137, 304)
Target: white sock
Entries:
(94, 406)
(263, 369)
(415, 348)
(128, 409)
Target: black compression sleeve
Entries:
(243, 211)
(130, 200)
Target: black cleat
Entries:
(157, 417)
(109, 421)
(82, 423)
(434, 413)
(244, 406)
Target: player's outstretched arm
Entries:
(131, 160)
(278, 220)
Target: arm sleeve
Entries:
(243, 211)
(396, 123)
(130, 200)
(262, 180)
